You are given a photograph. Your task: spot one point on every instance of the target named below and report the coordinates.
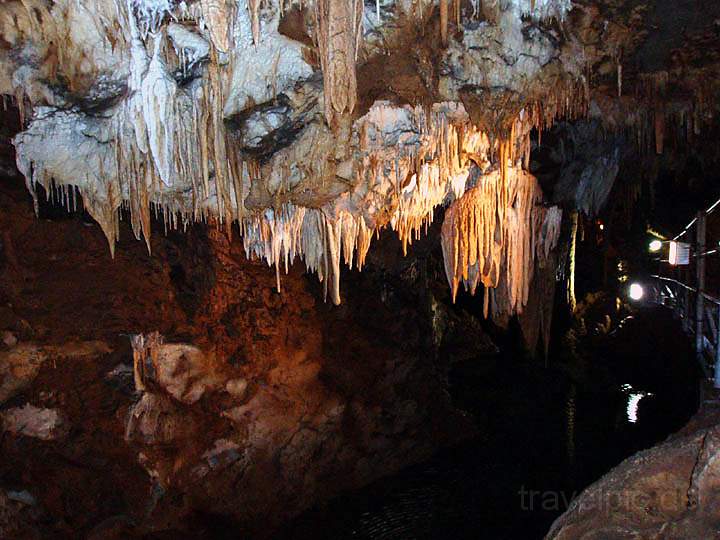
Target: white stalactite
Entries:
(158, 93)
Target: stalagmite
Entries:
(145, 349)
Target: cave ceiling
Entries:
(312, 126)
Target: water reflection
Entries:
(633, 402)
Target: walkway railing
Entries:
(684, 301)
(698, 310)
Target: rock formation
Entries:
(669, 491)
(246, 403)
(169, 103)
(213, 111)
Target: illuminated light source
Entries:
(636, 291)
(632, 407)
(602, 227)
(655, 245)
(679, 253)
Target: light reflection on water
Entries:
(633, 402)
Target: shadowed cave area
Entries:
(343, 269)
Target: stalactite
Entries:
(20, 100)
(444, 22)
(310, 234)
(254, 8)
(158, 95)
(421, 177)
(536, 318)
(339, 30)
(172, 155)
(395, 183)
(217, 15)
(572, 303)
(550, 232)
(150, 13)
(659, 131)
(492, 235)
(223, 180)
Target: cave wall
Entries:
(258, 404)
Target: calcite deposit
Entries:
(172, 102)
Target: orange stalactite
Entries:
(444, 22)
(488, 240)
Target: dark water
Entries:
(544, 434)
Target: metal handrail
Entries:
(692, 327)
(686, 229)
(703, 317)
(663, 278)
(708, 297)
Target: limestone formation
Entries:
(152, 121)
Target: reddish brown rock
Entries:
(669, 491)
(259, 405)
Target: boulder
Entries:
(237, 388)
(8, 338)
(20, 365)
(669, 491)
(183, 371)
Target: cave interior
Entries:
(353, 269)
